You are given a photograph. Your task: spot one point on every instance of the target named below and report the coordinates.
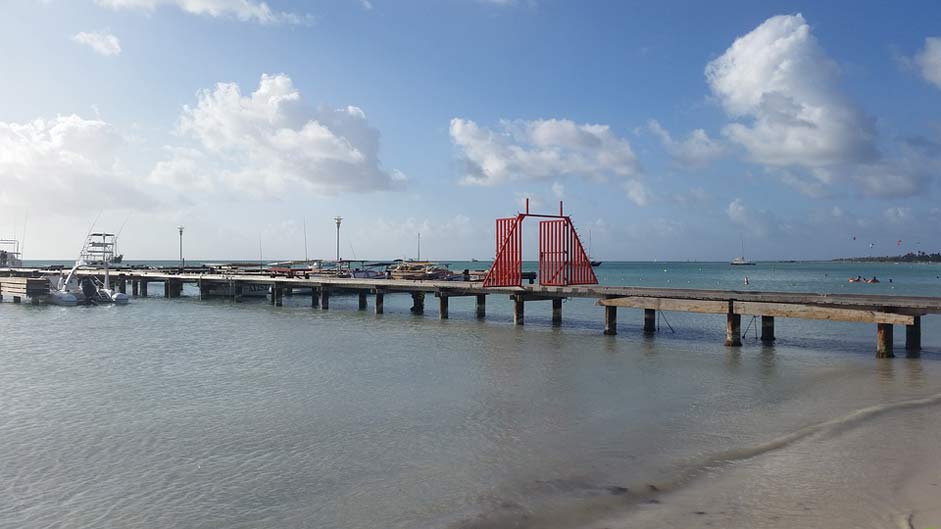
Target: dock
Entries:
(884, 311)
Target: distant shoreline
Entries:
(911, 257)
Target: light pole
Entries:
(338, 219)
(181, 246)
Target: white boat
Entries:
(10, 256)
(70, 289)
(741, 261)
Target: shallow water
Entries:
(191, 413)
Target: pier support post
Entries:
(122, 286)
(767, 329)
(203, 290)
(380, 301)
(277, 295)
(442, 307)
(143, 289)
(314, 297)
(610, 320)
(135, 288)
(324, 298)
(166, 288)
(288, 291)
(362, 301)
(733, 330)
(557, 311)
(237, 292)
(17, 299)
(519, 310)
(884, 341)
(913, 339)
(418, 303)
(650, 321)
(481, 305)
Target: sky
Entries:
(671, 130)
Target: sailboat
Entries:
(741, 261)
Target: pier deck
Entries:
(884, 311)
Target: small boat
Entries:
(418, 270)
(741, 261)
(10, 253)
(70, 289)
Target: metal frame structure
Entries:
(562, 258)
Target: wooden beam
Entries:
(679, 305)
(733, 330)
(362, 300)
(481, 305)
(767, 329)
(519, 309)
(884, 341)
(812, 312)
(557, 311)
(380, 302)
(443, 307)
(650, 321)
(610, 320)
(913, 338)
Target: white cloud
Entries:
(558, 190)
(898, 215)
(778, 77)
(541, 149)
(245, 10)
(271, 139)
(103, 43)
(637, 192)
(366, 4)
(782, 89)
(928, 61)
(759, 223)
(697, 150)
(65, 164)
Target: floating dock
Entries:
(883, 311)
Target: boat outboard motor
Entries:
(90, 290)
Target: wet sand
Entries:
(879, 467)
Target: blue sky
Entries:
(671, 130)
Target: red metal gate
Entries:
(507, 269)
(562, 259)
(553, 252)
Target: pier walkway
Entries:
(884, 311)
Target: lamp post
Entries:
(338, 220)
(182, 263)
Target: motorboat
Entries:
(73, 289)
(741, 261)
(10, 256)
(418, 270)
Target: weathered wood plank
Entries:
(810, 312)
(679, 305)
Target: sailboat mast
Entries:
(419, 246)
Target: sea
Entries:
(213, 414)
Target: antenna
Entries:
(305, 241)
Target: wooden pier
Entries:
(883, 311)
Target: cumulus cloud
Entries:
(782, 90)
(637, 192)
(245, 10)
(271, 139)
(758, 222)
(540, 150)
(103, 43)
(898, 215)
(928, 61)
(65, 164)
(697, 150)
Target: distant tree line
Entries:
(910, 257)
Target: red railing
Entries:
(562, 259)
(507, 269)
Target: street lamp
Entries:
(338, 219)
(182, 263)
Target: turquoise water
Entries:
(189, 413)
